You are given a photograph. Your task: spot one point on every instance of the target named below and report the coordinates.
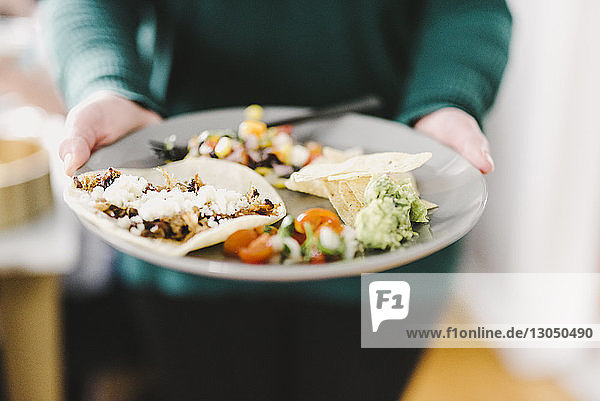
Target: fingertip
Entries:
(71, 165)
(486, 164)
(75, 152)
(490, 161)
(479, 157)
(68, 163)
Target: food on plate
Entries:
(345, 183)
(390, 207)
(214, 196)
(315, 236)
(390, 204)
(375, 193)
(177, 208)
(272, 151)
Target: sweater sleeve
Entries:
(458, 59)
(93, 46)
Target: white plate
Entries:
(447, 179)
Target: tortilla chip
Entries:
(353, 204)
(343, 200)
(358, 186)
(348, 196)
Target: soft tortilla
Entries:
(219, 173)
(315, 187)
(362, 166)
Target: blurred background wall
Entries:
(545, 140)
(542, 213)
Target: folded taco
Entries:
(176, 208)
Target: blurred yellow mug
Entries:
(24, 181)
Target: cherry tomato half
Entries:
(259, 251)
(238, 240)
(316, 218)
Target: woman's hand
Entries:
(97, 121)
(460, 131)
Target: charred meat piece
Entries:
(115, 211)
(88, 183)
(174, 228)
(194, 184)
(264, 209)
(156, 229)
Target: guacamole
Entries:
(386, 219)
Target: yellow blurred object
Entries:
(473, 374)
(30, 319)
(252, 127)
(271, 132)
(266, 140)
(24, 181)
(284, 153)
(254, 112)
(263, 170)
(213, 139)
(223, 147)
(314, 147)
(275, 181)
(279, 183)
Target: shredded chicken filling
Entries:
(178, 227)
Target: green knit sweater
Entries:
(179, 56)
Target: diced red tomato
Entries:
(212, 141)
(299, 237)
(259, 251)
(238, 240)
(288, 129)
(317, 258)
(317, 218)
